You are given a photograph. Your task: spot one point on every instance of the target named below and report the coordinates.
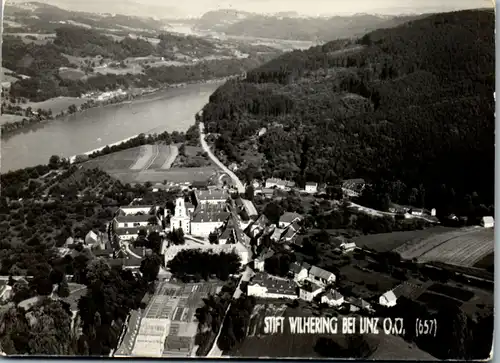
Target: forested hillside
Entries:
(411, 106)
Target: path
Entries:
(375, 212)
(239, 185)
(245, 277)
(146, 152)
(156, 152)
(174, 151)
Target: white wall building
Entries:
(211, 196)
(288, 218)
(322, 276)
(311, 187)
(348, 247)
(205, 222)
(268, 287)
(332, 298)
(300, 272)
(150, 340)
(133, 210)
(488, 222)
(308, 291)
(128, 221)
(388, 299)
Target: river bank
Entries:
(170, 110)
(94, 100)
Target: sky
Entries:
(195, 8)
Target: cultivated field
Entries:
(415, 249)
(116, 161)
(464, 250)
(179, 176)
(385, 242)
(146, 154)
(133, 69)
(72, 74)
(366, 284)
(4, 118)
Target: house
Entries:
(322, 276)
(258, 264)
(267, 192)
(433, 212)
(388, 299)
(488, 222)
(226, 236)
(275, 183)
(132, 233)
(311, 187)
(332, 298)
(140, 220)
(207, 220)
(288, 218)
(309, 290)
(277, 233)
(299, 272)
(347, 247)
(289, 234)
(416, 212)
(359, 304)
(258, 226)
(6, 292)
(212, 196)
(265, 286)
(249, 208)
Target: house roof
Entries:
(277, 234)
(275, 286)
(204, 216)
(310, 287)
(227, 233)
(267, 191)
(212, 194)
(312, 184)
(295, 226)
(333, 295)
(290, 233)
(131, 218)
(289, 217)
(390, 296)
(306, 266)
(319, 272)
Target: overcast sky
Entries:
(169, 8)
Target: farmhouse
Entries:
(311, 187)
(388, 299)
(416, 212)
(95, 239)
(309, 290)
(289, 234)
(299, 272)
(212, 196)
(208, 218)
(276, 235)
(322, 276)
(267, 192)
(288, 218)
(359, 304)
(488, 222)
(332, 298)
(268, 287)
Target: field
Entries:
(437, 301)
(451, 291)
(166, 155)
(366, 284)
(464, 250)
(192, 158)
(385, 242)
(55, 104)
(72, 74)
(146, 153)
(133, 69)
(119, 160)
(176, 176)
(4, 118)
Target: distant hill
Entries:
(412, 104)
(285, 26)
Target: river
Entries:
(168, 110)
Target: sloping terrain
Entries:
(409, 104)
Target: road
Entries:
(216, 352)
(239, 185)
(379, 213)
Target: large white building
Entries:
(388, 299)
(211, 196)
(135, 209)
(268, 287)
(207, 220)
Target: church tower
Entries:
(181, 217)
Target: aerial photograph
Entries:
(247, 179)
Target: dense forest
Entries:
(409, 108)
(42, 63)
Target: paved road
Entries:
(216, 352)
(239, 185)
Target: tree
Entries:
(273, 212)
(63, 288)
(249, 192)
(213, 237)
(150, 266)
(54, 161)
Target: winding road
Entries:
(239, 185)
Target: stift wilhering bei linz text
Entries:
(347, 325)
